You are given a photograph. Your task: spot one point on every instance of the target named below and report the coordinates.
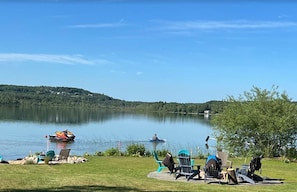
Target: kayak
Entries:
(158, 140)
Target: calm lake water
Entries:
(24, 131)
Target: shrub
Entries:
(99, 153)
(291, 153)
(113, 152)
(47, 159)
(148, 153)
(162, 153)
(86, 154)
(136, 149)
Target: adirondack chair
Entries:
(246, 173)
(169, 163)
(186, 152)
(224, 158)
(50, 155)
(161, 166)
(63, 155)
(212, 168)
(186, 166)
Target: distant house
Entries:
(206, 114)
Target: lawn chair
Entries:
(184, 151)
(63, 155)
(186, 166)
(169, 163)
(49, 156)
(212, 168)
(161, 166)
(224, 159)
(247, 172)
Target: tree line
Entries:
(75, 97)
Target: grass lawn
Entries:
(128, 174)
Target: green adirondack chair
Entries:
(159, 162)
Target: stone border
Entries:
(33, 159)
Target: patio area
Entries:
(166, 176)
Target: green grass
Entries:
(127, 174)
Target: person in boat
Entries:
(155, 137)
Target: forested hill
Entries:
(74, 97)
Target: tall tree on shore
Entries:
(260, 121)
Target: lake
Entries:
(24, 130)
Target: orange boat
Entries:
(62, 136)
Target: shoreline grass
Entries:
(103, 173)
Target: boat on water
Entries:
(62, 136)
(157, 140)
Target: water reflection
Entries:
(57, 115)
(97, 130)
(66, 115)
(62, 145)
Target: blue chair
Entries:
(50, 154)
(212, 168)
(186, 152)
(40, 158)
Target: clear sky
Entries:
(160, 50)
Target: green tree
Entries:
(262, 121)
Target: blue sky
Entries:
(173, 51)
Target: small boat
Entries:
(62, 136)
(158, 140)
